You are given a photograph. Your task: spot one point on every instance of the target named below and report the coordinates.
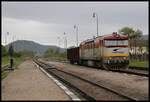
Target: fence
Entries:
(139, 57)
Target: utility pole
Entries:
(65, 41)
(75, 27)
(6, 38)
(58, 41)
(95, 14)
(14, 42)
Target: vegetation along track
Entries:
(4, 67)
(87, 89)
(140, 71)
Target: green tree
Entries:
(62, 55)
(138, 33)
(17, 54)
(49, 52)
(127, 31)
(3, 50)
(57, 51)
(132, 34)
(28, 53)
(11, 50)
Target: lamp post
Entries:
(75, 27)
(95, 14)
(14, 37)
(65, 42)
(58, 41)
(6, 38)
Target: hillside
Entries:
(144, 37)
(21, 45)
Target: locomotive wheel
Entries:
(80, 62)
(126, 67)
(71, 62)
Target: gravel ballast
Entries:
(131, 85)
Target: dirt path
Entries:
(29, 83)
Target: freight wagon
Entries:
(73, 55)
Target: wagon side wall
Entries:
(73, 54)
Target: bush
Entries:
(28, 53)
(17, 54)
(11, 50)
(3, 51)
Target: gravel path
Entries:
(29, 83)
(130, 85)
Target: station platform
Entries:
(28, 82)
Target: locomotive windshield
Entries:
(116, 42)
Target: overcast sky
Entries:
(44, 22)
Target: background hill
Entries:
(144, 37)
(21, 45)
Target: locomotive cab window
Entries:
(116, 42)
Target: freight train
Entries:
(108, 51)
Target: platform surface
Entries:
(28, 82)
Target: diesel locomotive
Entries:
(108, 51)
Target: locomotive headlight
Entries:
(124, 58)
(108, 61)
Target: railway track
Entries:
(139, 68)
(140, 71)
(86, 88)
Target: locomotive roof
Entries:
(108, 35)
(111, 35)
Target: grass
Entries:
(139, 63)
(17, 61)
(6, 60)
(4, 74)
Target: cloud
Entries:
(44, 22)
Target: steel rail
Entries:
(128, 72)
(130, 67)
(132, 73)
(83, 94)
(95, 84)
(100, 86)
(139, 68)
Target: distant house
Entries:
(139, 46)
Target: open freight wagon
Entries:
(73, 55)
